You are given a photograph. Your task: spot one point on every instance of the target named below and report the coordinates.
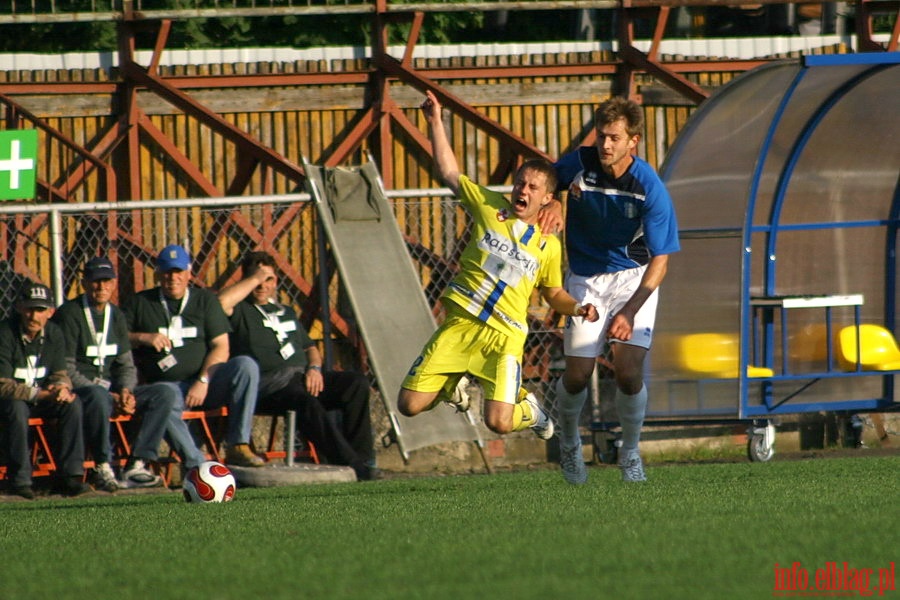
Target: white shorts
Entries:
(608, 292)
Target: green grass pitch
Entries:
(691, 531)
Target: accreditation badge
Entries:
(287, 351)
(167, 362)
(104, 383)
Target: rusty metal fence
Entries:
(51, 243)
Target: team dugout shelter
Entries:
(783, 298)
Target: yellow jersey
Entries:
(504, 261)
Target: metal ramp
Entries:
(386, 294)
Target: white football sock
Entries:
(569, 406)
(631, 410)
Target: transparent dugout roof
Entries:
(785, 182)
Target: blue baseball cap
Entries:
(173, 256)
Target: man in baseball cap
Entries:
(36, 384)
(102, 370)
(179, 337)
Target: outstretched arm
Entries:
(445, 160)
(560, 301)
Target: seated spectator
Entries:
(102, 370)
(179, 338)
(34, 383)
(291, 370)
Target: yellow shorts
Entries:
(463, 344)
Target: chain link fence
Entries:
(51, 244)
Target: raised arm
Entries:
(444, 159)
(231, 295)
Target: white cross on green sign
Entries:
(18, 163)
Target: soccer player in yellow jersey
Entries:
(487, 302)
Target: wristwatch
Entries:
(203, 379)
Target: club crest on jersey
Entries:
(574, 192)
(502, 214)
(631, 210)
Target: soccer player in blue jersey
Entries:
(620, 231)
(487, 302)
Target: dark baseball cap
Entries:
(173, 257)
(35, 295)
(99, 267)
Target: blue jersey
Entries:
(614, 224)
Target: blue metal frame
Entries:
(749, 323)
(865, 58)
(747, 262)
(765, 406)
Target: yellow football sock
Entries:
(523, 413)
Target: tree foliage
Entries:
(305, 31)
(288, 31)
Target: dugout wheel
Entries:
(606, 447)
(761, 441)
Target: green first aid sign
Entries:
(18, 164)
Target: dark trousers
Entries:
(69, 450)
(153, 406)
(97, 405)
(344, 440)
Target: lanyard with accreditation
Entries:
(32, 371)
(279, 328)
(174, 330)
(100, 350)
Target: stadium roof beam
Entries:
(132, 131)
(374, 122)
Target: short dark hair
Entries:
(542, 166)
(254, 259)
(617, 108)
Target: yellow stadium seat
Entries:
(878, 349)
(715, 355)
(809, 344)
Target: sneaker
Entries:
(571, 460)
(632, 467)
(240, 455)
(103, 478)
(543, 426)
(137, 475)
(460, 398)
(73, 486)
(25, 491)
(367, 473)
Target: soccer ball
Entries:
(210, 481)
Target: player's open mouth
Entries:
(519, 203)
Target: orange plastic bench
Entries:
(309, 451)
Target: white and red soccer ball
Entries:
(210, 481)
